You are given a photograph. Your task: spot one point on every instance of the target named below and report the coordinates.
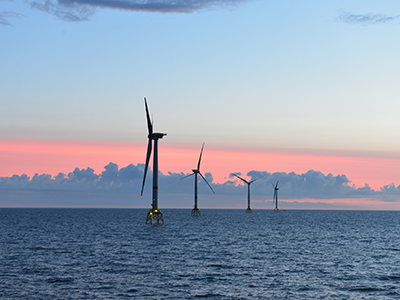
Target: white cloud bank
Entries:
(121, 186)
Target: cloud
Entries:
(112, 179)
(390, 193)
(312, 184)
(71, 11)
(4, 15)
(82, 10)
(14, 181)
(365, 19)
(125, 183)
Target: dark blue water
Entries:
(223, 254)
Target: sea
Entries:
(222, 254)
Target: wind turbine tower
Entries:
(275, 198)
(154, 213)
(248, 210)
(196, 210)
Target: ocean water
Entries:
(223, 254)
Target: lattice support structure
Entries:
(155, 215)
(196, 212)
(248, 210)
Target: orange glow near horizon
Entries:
(51, 157)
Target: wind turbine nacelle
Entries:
(157, 135)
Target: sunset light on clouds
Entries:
(52, 157)
(267, 86)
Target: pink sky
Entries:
(51, 157)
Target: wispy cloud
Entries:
(66, 10)
(82, 10)
(5, 15)
(365, 19)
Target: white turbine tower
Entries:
(248, 210)
(275, 198)
(154, 213)
(196, 210)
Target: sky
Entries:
(271, 87)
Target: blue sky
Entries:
(290, 75)
(293, 72)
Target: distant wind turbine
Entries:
(248, 210)
(196, 210)
(154, 213)
(275, 198)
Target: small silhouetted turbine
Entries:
(248, 189)
(195, 210)
(275, 198)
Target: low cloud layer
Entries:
(312, 184)
(365, 19)
(82, 10)
(127, 181)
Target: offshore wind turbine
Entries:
(154, 213)
(248, 210)
(196, 210)
(275, 198)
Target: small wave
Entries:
(7, 275)
(39, 248)
(306, 288)
(390, 278)
(60, 280)
(216, 265)
(208, 295)
(122, 295)
(105, 287)
(394, 249)
(365, 289)
(393, 293)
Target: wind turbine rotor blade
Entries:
(257, 179)
(240, 178)
(206, 182)
(149, 147)
(187, 176)
(201, 153)
(149, 123)
(276, 184)
(272, 185)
